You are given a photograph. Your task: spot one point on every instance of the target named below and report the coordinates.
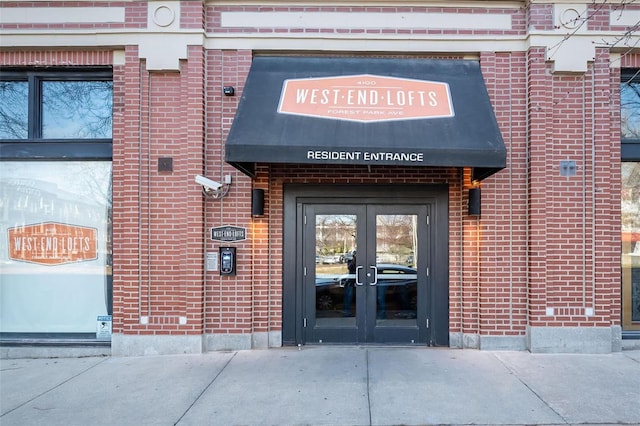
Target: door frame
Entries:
(295, 195)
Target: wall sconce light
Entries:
(257, 202)
(474, 202)
(228, 90)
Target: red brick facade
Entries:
(546, 247)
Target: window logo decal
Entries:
(52, 243)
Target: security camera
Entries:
(208, 184)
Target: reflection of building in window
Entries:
(31, 197)
(70, 193)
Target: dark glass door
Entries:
(366, 273)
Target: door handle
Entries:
(375, 275)
(358, 282)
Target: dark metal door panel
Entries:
(399, 293)
(334, 310)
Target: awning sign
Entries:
(228, 233)
(366, 98)
(52, 243)
(366, 111)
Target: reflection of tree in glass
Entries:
(630, 109)
(96, 183)
(13, 109)
(395, 236)
(77, 109)
(631, 196)
(334, 233)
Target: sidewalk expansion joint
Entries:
(205, 389)
(515, 374)
(368, 388)
(55, 387)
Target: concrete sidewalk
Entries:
(324, 386)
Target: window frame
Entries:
(629, 152)
(37, 149)
(34, 147)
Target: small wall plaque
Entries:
(567, 168)
(228, 233)
(165, 164)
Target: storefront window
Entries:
(55, 251)
(55, 201)
(631, 245)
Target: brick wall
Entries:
(544, 241)
(158, 215)
(497, 242)
(573, 253)
(228, 300)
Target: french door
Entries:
(366, 273)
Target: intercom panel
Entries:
(227, 260)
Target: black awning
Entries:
(335, 110)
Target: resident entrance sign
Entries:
(366, 98)
(365, 111)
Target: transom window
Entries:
(55, 113)
(630, 106)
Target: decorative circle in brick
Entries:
(163, 16)
(571, 19)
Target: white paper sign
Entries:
(103, 327)
(212, 261)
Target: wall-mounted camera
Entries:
(208, 183)
(214, 189)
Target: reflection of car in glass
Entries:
(396, 288)
(346, 257)
(327, 260)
